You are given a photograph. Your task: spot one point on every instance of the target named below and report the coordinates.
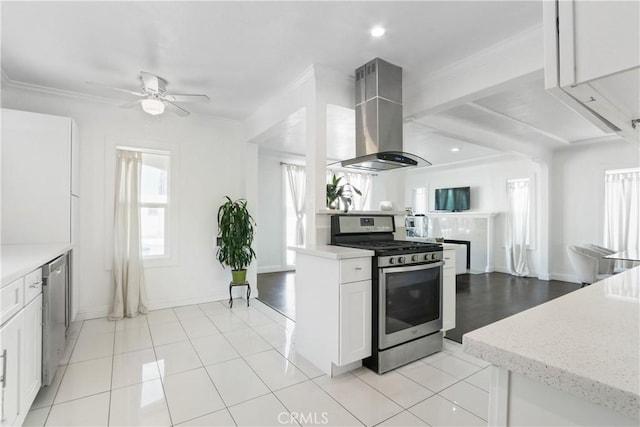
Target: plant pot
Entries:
(238, 276)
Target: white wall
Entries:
(487, 180)
(211, 166)
(577, 196)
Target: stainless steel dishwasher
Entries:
(54, 287)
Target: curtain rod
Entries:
(292, 164)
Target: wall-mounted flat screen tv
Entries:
(453, 199)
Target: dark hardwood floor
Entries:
(277, 290)
(481, 299)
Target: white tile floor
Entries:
(208, 365)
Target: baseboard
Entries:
(531, 275)
(91, 313)
(275, 269)
(564, 277)
(103, 311)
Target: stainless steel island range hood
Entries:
(379, 119)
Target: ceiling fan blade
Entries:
(176, 109)
(131, 104)
(130, 92)
(185, 97)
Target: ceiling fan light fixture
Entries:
(153, 106)
(377, 31)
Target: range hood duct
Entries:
(379, 119)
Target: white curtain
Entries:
(361, 181)
(296, 177)
(130, 297)
(517, 224)
(621, 209)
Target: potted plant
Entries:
(340, 193)
(235, 236)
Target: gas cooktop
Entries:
(393, 247)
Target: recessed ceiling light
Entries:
(377, 31)
(455, 149)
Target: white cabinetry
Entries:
(40, 181)
(21, 349)
(355, 322)
(592, 60)
(333, 311)
(31, 362)
(11, 341)
(36, 178)
(12, 299)
(449, 289)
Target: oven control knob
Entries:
(392, 261)
(401, 260)
(427, 257)
(415, 258)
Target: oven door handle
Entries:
(412, 267)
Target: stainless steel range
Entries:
(407, 290)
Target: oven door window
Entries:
(411, 297)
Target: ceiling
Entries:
(241, 54)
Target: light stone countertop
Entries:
(586, 343)
(18, 260)
(331, 252)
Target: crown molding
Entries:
(4, 78)
(16, 84)
(7, 82)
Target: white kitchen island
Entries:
(333, 306)
(572, 361)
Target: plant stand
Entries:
(232, 284)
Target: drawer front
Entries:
(355, 270)
(32, 285)
(12, 299)
(449, 258)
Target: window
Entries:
(294, 177)
(621, 209)
(518, 226)
(362, 181)
(519, 203)
(154, 203)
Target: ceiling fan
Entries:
(155, 99)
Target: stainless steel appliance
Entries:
(55, 276)
(407, 290)
(379, 119)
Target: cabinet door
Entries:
(597, 39)
(448, 298)
(31, 362)
(75, 160)
(36, 178)
(11, 350)
(449, 290)
(355, 322)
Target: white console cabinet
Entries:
(333, 310)
(449, 289)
